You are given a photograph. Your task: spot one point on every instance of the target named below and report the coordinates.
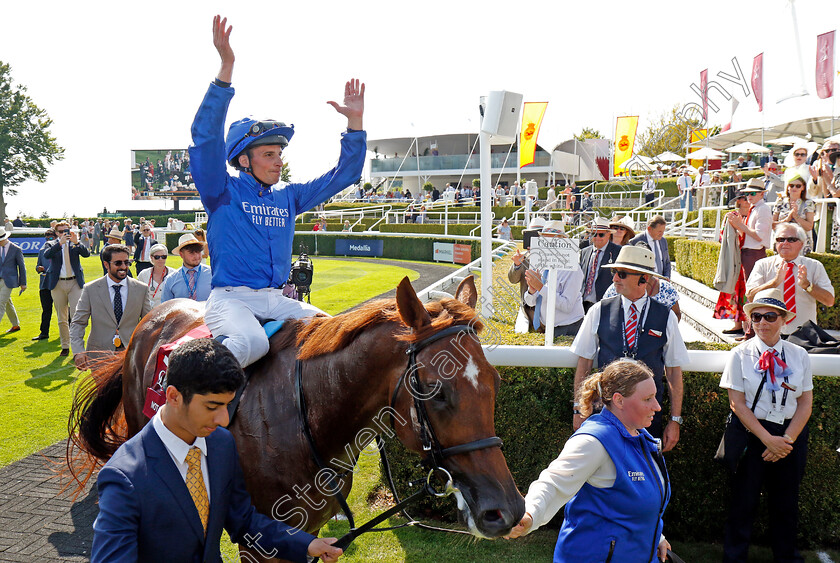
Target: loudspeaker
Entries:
(501, 116)
(531, 188)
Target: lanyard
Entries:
(157, 287)
(197, 271)
(642, 317)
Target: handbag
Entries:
(733, 443)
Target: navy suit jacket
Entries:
(663, 249)
(138, 250)
(146, 512)
(604, 278)
(56, 257)
(12, 268)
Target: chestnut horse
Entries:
(420, 365)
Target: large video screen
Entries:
(161, 174)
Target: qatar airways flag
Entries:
(758, 80)
(825, 65)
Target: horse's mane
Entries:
(316, 336)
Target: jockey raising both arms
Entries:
(252, 219)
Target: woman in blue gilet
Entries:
(610, 475)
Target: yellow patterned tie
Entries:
(195, 484)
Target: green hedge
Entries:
(160, 220)
(533, 418)
(698, 260)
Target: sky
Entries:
(116, 76)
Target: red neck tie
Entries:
(590, 279)
(630, 327)
(790, 290)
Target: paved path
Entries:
(39, 523)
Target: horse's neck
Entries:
(353, 403)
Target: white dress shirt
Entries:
(178, 450)
(568, 306)
(123, 290)
(760, 221)
(740, 375)
(586, 342)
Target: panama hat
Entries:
(754, 185)
(554, 228)
(625, 222)
(770, 298)
(536, 223)
(187, 240)
(601, 224)
(636, 258)
(4, 234)
(116, 234)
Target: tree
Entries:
(669, 132)
(26, 146)
(588, 133)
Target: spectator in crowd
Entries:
(773, 183)
(735, 180)
(623, 230)
(797, 161)
(8, 226)
(504, 229)
(591, 475)
(65, 278)
(649, 189)
(18, 222)
(192, 279)
(757, 228)
(13, 274)
(796, 208)
(346, 228)
(128, 235)
(44, 292)
(435, 194)
(155, 276)
(586, 202)
(684, 185)
(114, 305)
(593, 261)
(516, 274)
(771, 157)
(143, 243)
(658, 290)
(803, 281)
(115, 236)
(568, 308)
(420, 218)
(742, 162)
(97, 235)
(632, 325)
(700, 187)
(770, 389)
(730, 303)
(750, 162)
(654, 237)
(823, 170)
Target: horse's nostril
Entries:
(493, 516)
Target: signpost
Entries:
(553, 254)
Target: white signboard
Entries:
(554, 254)
(444, 252)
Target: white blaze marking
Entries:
(471, 372)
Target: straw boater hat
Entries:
(115, 234)
(536, 223)
(625, 222)
(554, 228)
(601, 224)
(770, 298)
(187, 240)
(4, 234)
(637, 259)
(754, 185)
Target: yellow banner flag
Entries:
(532, 115)
(697, 135)
(625, 137)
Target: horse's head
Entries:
(449, 395)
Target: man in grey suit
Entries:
(12, 275)
(114, 304)
(654, 237)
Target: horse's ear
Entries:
(466, 292)
(412, 311)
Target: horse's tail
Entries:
(96, 427)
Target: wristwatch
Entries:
(677, 419)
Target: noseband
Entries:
(434, 453)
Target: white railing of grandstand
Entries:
(825, 224)
(711, 361)
(362, 212)
(440, 288)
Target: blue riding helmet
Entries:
(248, 132)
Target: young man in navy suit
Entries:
(167, 492)
(12, 275)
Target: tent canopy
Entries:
(815, 128)
(707, 153)
(668, 156)
(747, 147)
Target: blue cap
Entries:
(249, 132)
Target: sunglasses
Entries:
(63, 232)
(769, 317)
(599, 235)
(119, 263)
(787, 239)
(750, 193)
(798, 186)
(161, 257)
(800, 154)
(623, 275)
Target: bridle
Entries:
(435, 453)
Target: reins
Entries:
(434, 458)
